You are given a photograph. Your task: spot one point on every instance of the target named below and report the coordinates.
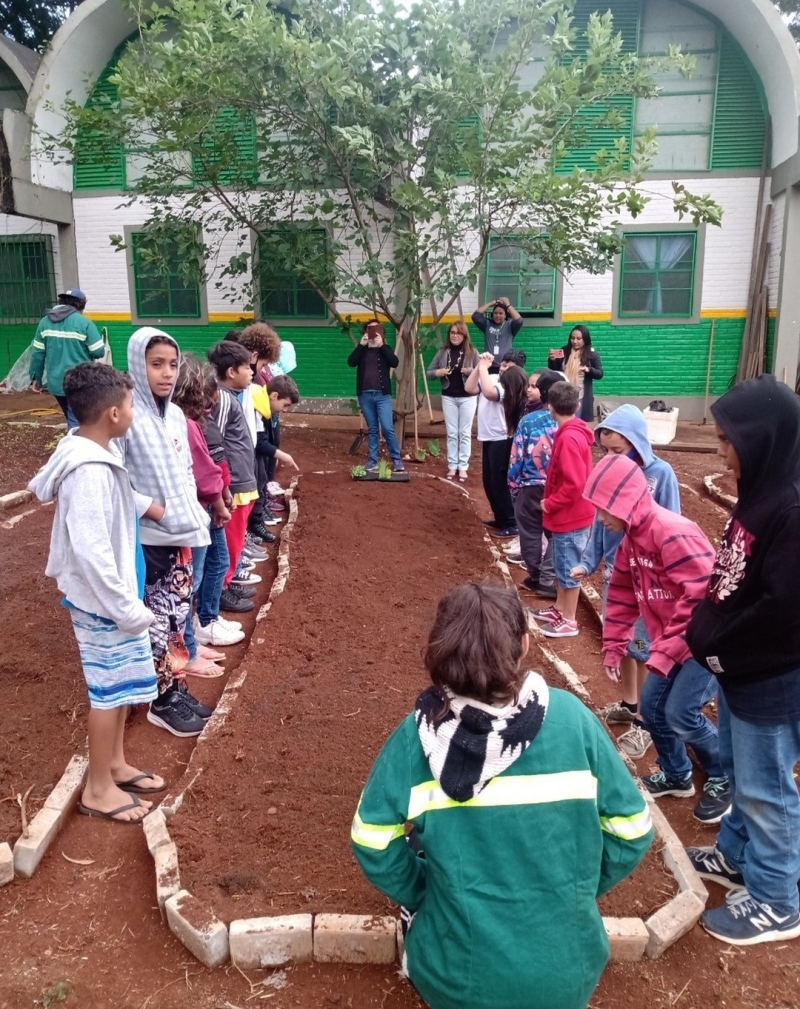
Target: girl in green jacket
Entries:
(523, 814)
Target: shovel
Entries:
(358, 440)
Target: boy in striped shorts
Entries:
(97, 562)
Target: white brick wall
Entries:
(725, 279)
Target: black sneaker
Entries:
(492, 523)
(242, 591)
(546, 591)
(233, 603)
(710, 863)
(506, 533)
(661, 784)
(268, 518)
(715, 801)
(201, 710)
(259, 532)
(171, 712)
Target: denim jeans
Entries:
(377, 409)
(71, 419)
(567, 552)
(671, 708)
(459, 413)
(198, 566)
(760, 837)
(216, 566)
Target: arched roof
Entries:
(88, 38)
(21, 61)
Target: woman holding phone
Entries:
(581, 366)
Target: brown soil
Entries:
(96, 926)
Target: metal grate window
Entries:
(528, 283)
(284, 294)
(27, 280)
(162, 291)
(657, 275)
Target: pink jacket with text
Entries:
(661, 568)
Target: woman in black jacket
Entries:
(375, 361)
(580, 365)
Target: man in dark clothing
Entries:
(374, 361)
(64, 338)
(499, 331)
(746, 631)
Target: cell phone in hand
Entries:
(557, 353)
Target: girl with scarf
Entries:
(523, 814)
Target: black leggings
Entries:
(496, 455)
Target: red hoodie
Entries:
(564, 508)
(661, 568)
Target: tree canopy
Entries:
(376, 150)
(33, 23)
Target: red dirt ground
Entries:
(96, 926)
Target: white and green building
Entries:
(650, 316)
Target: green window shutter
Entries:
(598, 137)
(286, 294)
(99, 165)
(737, 140)
(27, 281)
(162, 292)
(529, 284)
(230, 141)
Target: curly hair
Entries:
(260, 338)
(191, 387)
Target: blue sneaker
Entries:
(745, 921)
(371, 467)
(710, 863)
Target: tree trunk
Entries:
(405, 349)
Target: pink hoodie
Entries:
(661, 568)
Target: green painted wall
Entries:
(648, 361)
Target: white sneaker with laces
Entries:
(217, 635)
(512, 547)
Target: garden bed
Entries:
(96, 927)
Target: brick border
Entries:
(718, 495)
(272, 941)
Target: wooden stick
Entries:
(708, 369)
(425, 383)
(416, 410)
(23, 809)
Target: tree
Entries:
(791, 8)
(33, 23)
(376, 151)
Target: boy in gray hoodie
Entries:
(156, 453)
(93, 557)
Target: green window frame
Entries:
(528, 283)
(285, 294)
(658, 275)
(162, 291)
(27, 277)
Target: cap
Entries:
(76, 293)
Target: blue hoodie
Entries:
(629, 421)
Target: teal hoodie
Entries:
(64, 338)
(629, 421)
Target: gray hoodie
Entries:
(93, 542)
(156, 454)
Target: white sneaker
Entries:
(275, 489)
(512, 547)
(217, 635)
(235, 625)
(245, 578)
(635, 742)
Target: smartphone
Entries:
(557, 353)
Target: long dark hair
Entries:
(191, 392)
(515, 386)
(586, 349)
(475, 645)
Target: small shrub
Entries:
(420, 454)
(384, 470)
(55, 993)
(357, 472)
(434, 448)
